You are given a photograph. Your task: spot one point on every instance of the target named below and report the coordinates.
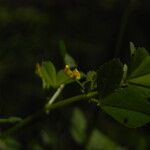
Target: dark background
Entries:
(94, 32)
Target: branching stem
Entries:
(41, 113)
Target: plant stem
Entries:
(41, 113)
(72, 100)
(54, 97)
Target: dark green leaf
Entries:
(109, 77)
(129, 105)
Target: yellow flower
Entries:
(76, 74)
(73, 73)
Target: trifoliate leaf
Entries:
(131, 105)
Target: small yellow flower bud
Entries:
(72, 73)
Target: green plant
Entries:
(120, 90)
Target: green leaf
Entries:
(68, 59)
(63, 78)
(137, 57)
(140, 75)
(50, 78)
(47, 72)
(141, 81)
(142, 70)
(78, 126)
(130, 106)
(99, 141)
(109, 77)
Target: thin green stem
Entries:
(42, 113)
(72, 100)
(54, 97)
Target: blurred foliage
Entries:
(78, 126)
(96, 140)
(30, 32)
(100, 141)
